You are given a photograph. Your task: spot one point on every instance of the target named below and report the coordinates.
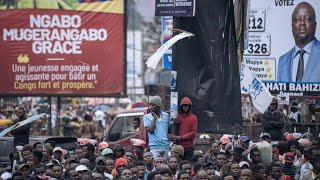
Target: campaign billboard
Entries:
(62, 47)
(283, 47)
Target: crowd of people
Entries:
(170, 154)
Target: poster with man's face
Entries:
(283, 45)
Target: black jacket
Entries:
(21, 134)
(273, 123)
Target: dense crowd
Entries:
(294, 157)
(278, 155)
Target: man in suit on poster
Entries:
(302, 62)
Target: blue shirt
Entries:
(159, 138)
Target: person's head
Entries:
(177, 150)
(98, 176)
(109, 165)
(246, 174)
(221, 159)
(141, 168)
(266, 137)
(21, 113)
(81, 169)
(51, 144)
(44, 157)
(245, 141)
(185, 107)
(138, 151)
(57, 171)
(234, 169)
(118, 150)
(126, 174)
(197, 161)
(183, 175)
(78, 152)
(57, 153)
(276, 171)
(293, 146)
(128, 155)
(120, 164)
(214, 146)
(273, 106)
(312, 108)
(24, 169)
(158, 161)
(155, 104)
(166, 174)
(37, 157)
(100, 164)
(38, 146)
(18, 176)
(154, 176)
(186, 165)
(255, 156)
(87, 150)
(107, 153)
(17, 152)
(227, 176)
(26, 155)
(259, 171)
(202, 175)
(71, 174)
(85, 161)
(39, 170)
(87, 176)
(237, 154)
(173, 163)
(136, 122)
(303, 24)
(134, 170)
(148, 158)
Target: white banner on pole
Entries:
(251, 84)
(155, 58)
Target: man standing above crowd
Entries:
(157, 124)
(188, 124)
(21, 134)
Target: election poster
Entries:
(62, 47)
(284, 47)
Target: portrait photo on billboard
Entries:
(283, 41)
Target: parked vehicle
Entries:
(121, 128)
(6, 145)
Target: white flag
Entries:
(155, 58)
(251, 84)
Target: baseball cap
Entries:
(244, 139)
(81, 168)
(265, 135)
(138, 142)
(103, 145)
(178, 149)
(57, 149)
(6, 176)
(22, 166)
(242, 163)
(100, 158)
(224, 140)
(106, 151)
(289, 157)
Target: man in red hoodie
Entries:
(188, 125)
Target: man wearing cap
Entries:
(107, 153)
(100, 165)
(289, 169)
(188, 124)
(57, 154)
(81, 169)
(157, 124)
(24, 169)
